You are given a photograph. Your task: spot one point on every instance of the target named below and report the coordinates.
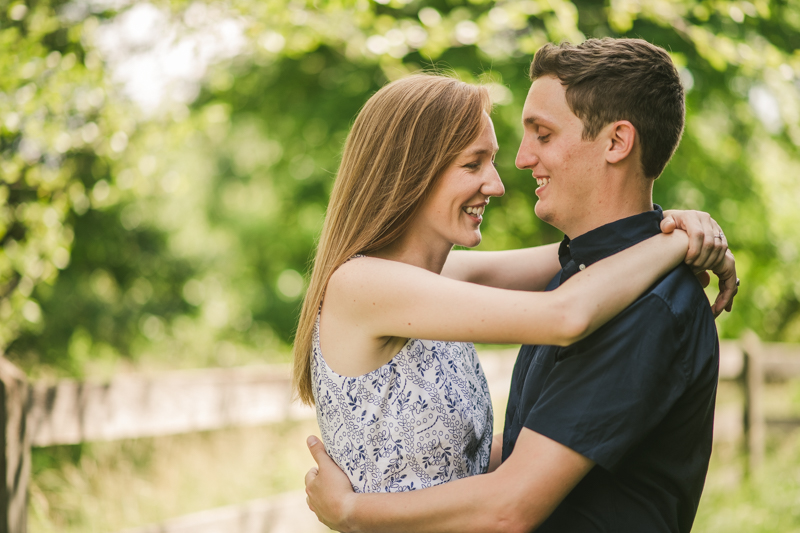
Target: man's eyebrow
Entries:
(535, 120)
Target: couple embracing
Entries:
(609, 418)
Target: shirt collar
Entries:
(609, 239)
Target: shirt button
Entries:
(582, 267)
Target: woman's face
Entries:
(454, 211)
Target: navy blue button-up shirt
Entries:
(636, 397)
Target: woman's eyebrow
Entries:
(478, 151)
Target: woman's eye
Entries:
(472, 166)
(494, 163)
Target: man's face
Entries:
(567, 169)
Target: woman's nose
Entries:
(494, 185)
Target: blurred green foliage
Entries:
(175, 221)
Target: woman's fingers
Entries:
(715, 249)
(720, 243)
(703, 277)
(706, 255)
(728, 283)
(701, 227)
(690, 222)
(727, 291)
(668, 224)
(708, 250)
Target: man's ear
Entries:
(621, 137)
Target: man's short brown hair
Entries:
(620, 79)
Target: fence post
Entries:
(16, 461)
(754, 424)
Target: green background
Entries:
(181, 226)
(166, 166)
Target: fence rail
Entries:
(132, 406)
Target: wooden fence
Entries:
(132, 406)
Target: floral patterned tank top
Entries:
(422, 419)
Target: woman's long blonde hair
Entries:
(404, 137)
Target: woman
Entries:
(397, 412)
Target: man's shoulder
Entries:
(681, 293)
(676, 304)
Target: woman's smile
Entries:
(475, 212)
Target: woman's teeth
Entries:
(476, 211)
(542, 181)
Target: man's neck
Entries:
(598, 219)
(623, 198)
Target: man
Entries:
(612, 433)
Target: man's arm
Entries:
(517, 497)
(496, 457)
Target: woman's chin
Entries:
(472, 242)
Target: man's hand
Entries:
(708, 250)
(330, 494)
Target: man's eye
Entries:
(494, 163)
(544, 138)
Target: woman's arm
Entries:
(531, 269)
(525, 269)
(391, 299)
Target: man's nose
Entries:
(526, 158)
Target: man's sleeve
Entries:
(608, 391)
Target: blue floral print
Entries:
(422, 419)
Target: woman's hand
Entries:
(707, 242)
(708, 250)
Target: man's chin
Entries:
(543, 213)
(547, 216)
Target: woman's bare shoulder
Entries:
(367, 278)
(353, 278)
(354, 268)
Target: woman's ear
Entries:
(622, 137)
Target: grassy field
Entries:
(768, 502)
(106, 487)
